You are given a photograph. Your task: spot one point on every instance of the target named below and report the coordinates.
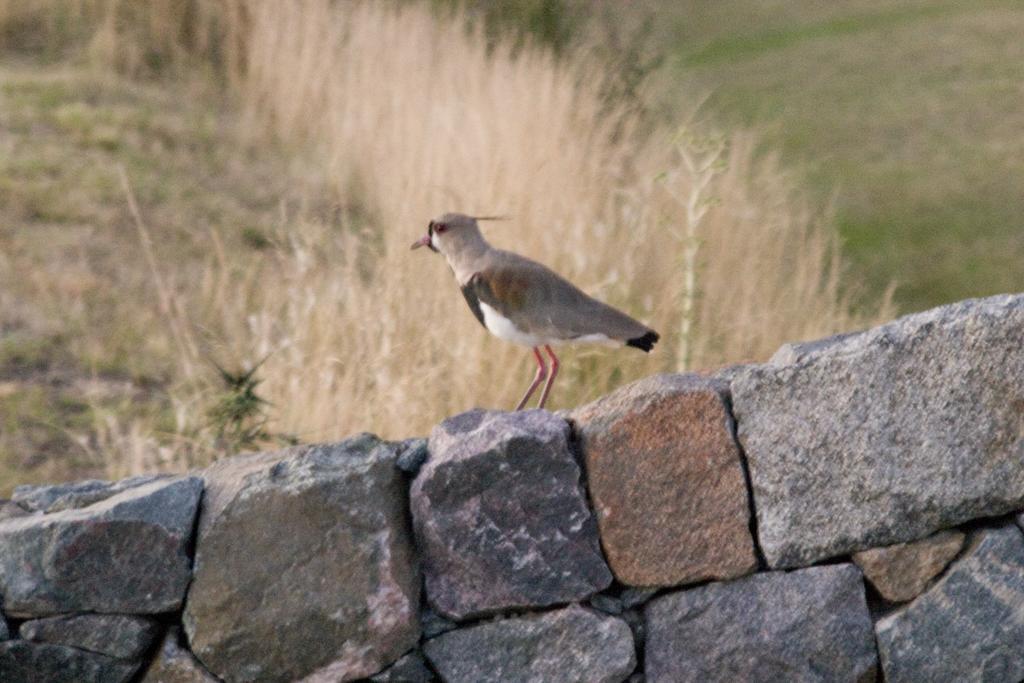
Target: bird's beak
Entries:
(425, 241)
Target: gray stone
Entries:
(807, 625)
(729, 372)
(969, 626)
(433, 624)
(501, 518)
(570, 644)
(126, 554)
(635, 620)
(606, 603)
(8, 508)
(900, 572)
(411, 668)
(885, 436)
(25, 662)
(175, 664)
(634, 597)
(411, 456)
(115, 635)
(304, 565)
(74, 495)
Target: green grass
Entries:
(731, 48)
(76, 309)
(907, 114)
(39, 415)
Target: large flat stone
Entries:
(74, 495)
(304, 565)
(571, 644)
(127, 553)
(116, 635)
(666, 482)
(25, 662)
(885, 436)
(969, 626)
(501, 518)
(900, 572)
(807, 625)
(8, 509)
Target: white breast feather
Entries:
(502, 328)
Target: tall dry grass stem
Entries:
(170, 305)
(700, 158)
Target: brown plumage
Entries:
(542, 303)
(525, 302)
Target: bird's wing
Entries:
(539, 301)
(503, 289)
(469, 291)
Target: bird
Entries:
(524, 302)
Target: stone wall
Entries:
(845, 512)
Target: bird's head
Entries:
(452, 233)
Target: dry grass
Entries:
(414, 117)
(406, 115)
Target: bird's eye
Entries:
(440, 227)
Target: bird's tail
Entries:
(644, 342)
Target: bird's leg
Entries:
(542, 372)
(551, 377)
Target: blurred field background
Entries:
(206, 205)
